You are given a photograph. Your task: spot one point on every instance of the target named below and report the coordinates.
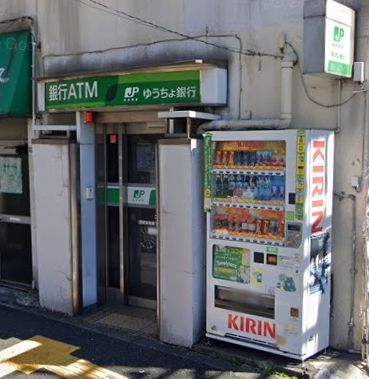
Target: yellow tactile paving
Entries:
(43, 353)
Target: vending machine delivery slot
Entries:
(245, 301)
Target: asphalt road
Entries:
(49, 348)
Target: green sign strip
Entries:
(16, 74)
(340, 69)
(300, 174)
(155, 88)
(208, 163)
(152, 200)
(112, 195)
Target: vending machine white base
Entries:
(268, 198)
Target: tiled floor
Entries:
(138, 321)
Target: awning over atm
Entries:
(16, 74)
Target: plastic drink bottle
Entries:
(239, 157)
(239, 186)
(245, 158)
(218, 158)
(225, 158)
(231, 186)
(259, 186)
(231, 159)
(274, 194)
(252, 158)
(245, 187)
(225, 187)
(218, 186)
(281, 193)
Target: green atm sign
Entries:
(16, 74)
(175, 87)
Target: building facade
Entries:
(100, 183)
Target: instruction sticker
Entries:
(11, 175)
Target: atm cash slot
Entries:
(245, 301)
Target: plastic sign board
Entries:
(16, 73)
(192, 86)
(339, 39)
(141, 196)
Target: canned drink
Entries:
(252, 225)
(217, 222)
(281, 161)
(259, 224)
(259, 158)
(280, 231)
(273, 227)
(231, 186)
(252, 158)
(231, 224)
(267, 157)
(244, 226)
(245, 158)
(231, 158)
(239, 158)
(274, 160)
(281, 193)
(237, 223)
(274, 194)
(265, 228)
(225, 158)
(218, 158)
(224, 222)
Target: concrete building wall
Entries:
(76, 38)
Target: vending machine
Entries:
(268, 198)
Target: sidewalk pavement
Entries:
(242, 362)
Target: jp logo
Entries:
(131, 92)
(3, 80)
(138, 195)
(338, 34)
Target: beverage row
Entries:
(249, 224)
(250, 188)
(254, 159)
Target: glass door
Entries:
(109, 212)
(127, 228)
(15, 222)
(141, 219)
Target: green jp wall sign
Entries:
(16, 74)
(132, 89)
(339, 39)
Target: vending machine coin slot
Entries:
(258, 257)
(292, 198)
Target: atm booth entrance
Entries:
(127, 229)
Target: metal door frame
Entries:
(120, 294)
(8, 148)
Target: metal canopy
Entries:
(189, 114)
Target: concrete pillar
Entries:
(86, 140)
